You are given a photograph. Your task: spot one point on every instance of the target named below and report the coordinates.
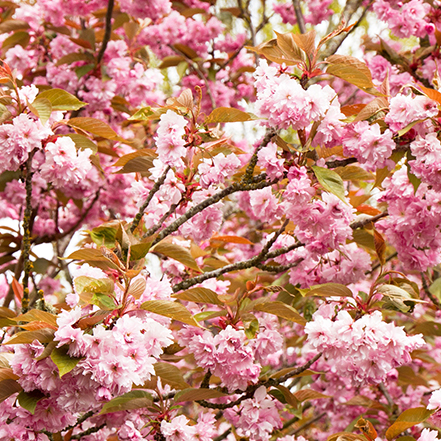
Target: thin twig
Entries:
(432, 298)
(146, 203)
(156, 227)
(253, 161)
(362, 223)
(233, 188)
(350, 8)
(308, 423)
(107, 32)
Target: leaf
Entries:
(6, 312)
(306, 42)
(408, 419)
(22, 38)
(42, 335)
(351, 70)
(123, 160)
(42, 108)
(176, 252)
(173, 310)
(199, 295)
(171, 61)
(104, 236)
(73, 57)
(330, 181)
(139, 250)
(89, 284)
(407, 376)
(135, 399)
(430, 93)
(13, 25)
(233, 239)
(141, 164)
(82, 142)
(363, 238)
(290, 398)
(345, 436)
(286, 371)
(94, 126)
(86, 254)
(282, 310)
(38, 315)
(363, 401)
(197, 394)
(7, 374)
(8, 388)
(145, 113)
(228, 114)
(428, 328)
(5, 359)
(328, 290)
(380, 247)
(171, 375)
(273, 52)
(309, 394)
(137, 288)
(354, 173)
(29, 400)
(64, 362)
(62, 100)
(287, 43)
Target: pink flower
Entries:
(178, 429)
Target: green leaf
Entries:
(197, 394)
(64, 362)
(8, 388)
(144, 114)
(42, 108)
(29, 400)
(135, 399)
(103, 301)
(290, 398)
(45, 335)
(61, 100)
(22, 38)
(171, 375)
(89, 284)
(139, 250)
(228, 114)
(328, 290)
(282, 310)
(206, 315)
(199, 295)
(95, 126)
(330, 181)
(408, 419)
(173, 310)
(176, 252)
(84, 70)
(104, 236)
(82, 142)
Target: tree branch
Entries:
(299, 16)
(432, 298)
(146, 203)
(350, 8)
(107, 32)
(258, 182)
(253, 161)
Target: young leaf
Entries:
(408, 419)
(64, 362)
(61, 100)
(135, 399)
(42, 335)
(328, 290)
(171, 375)
(7, 388)
(173, 310)
(309, 394)
(29, 400)
(380, 246)
(199, 295)
(42, 108)
(281, 310)
(94, 126)
(197, 394)
(176, 252)
(228, 114)
(330, 181)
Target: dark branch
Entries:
(107, 32)
(299, 16)
(146, 203)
